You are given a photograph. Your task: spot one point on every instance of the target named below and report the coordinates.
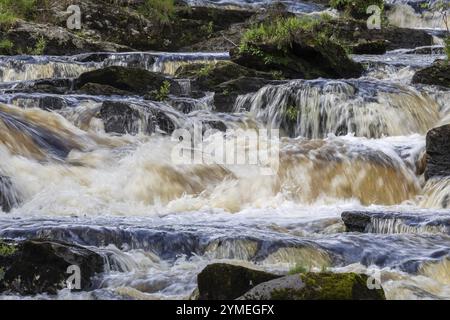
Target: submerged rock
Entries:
(436, 74)
(225, 282)
(132, 80)
(125, 118)
(316, 286)
(438, 152)
(388, 222)
(38, 266)
(9, 197)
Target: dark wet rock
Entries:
(316, 286)
(55, 86)
(134, 80)
(396, 222)
(438, 152)
(356, 8)
(356, 221)
(124, 118)
(370, 47)
(437, 74)
(226, 79)
(349, 32)
(305, 57)
(9, 196)
(38, 266)
(226, 282)
(205, 76)
(97, 89)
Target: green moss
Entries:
(279, 32)
(11, 10)
(447, 47)
(6, 46)
(298, 269)
(160, 10)
(39, 47)
(7, 249)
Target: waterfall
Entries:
(313, 109)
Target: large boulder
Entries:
(226, 282)
(303, 56)
(316, 286)
(131, 80)
(38, 266)
(436, 74)
(438, 152)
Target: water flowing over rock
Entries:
(396, 222)
(39, 266)
(367, 108)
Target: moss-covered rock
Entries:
(38, 266)
(436, 74)
(132, 80)
(316, 286)
(224, 281)
(293, 47)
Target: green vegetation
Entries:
(39, 48)
(163, 91)
(6, 249)
(160, 10)
(11, 10)
(208, 29)
(298, 269)
(291, 113)
(356, 8)
(279, 33)
(447, 47)
(6, 46)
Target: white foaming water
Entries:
(368, 108)
(159, 223)
(403, 15)
(36, 67)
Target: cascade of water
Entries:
(316, 108)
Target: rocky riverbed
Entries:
(358, 208)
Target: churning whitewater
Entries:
(346, 145)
